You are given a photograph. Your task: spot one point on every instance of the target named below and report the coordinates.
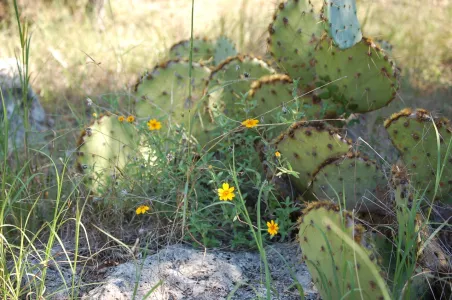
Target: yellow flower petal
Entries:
(154, 124)
(250, 123)
(272, 228)
(226, 192)
(141, 209)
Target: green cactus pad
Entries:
(293, 35)
(354, 178)
(105, 150)
(413, 134)
(306, 145)
(224, 48)
(274, 99)
(230, 81)
(365, 78)
(203, 50)
(342, 22)
(163, 94)
(335, 250)
(164, 91)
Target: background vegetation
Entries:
(81, 50)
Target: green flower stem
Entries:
(257, 236)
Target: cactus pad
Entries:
(342, 22)
(203, 50)
(354, 178)
(163, 94)
(293, 35)
(335, 250)
(366, 79)
(306, 145)
(230, 81)
(105, 150)
(224, 48)
(275, 99)
(413, 134)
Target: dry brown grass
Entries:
(74, 55)
(421, 36)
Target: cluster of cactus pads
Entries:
(320, 69)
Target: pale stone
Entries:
(188, 273)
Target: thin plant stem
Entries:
(257, 236)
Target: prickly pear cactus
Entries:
(403, 198)
(163, 94)
(341, 21)
(106, 149)
(306, 145)
(364, 79)
(335, 250)
(203, 50)
(413, 134)
(229, 83)
(294, 32)
(272, 97)
(276, 99)
(224, 48)
(353, 180)
(164, 91)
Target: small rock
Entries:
(11, 89)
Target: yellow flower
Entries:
(121, 119)
(272, 228)
(130, 119)
(227, 192)
(154, 124)
(250, 123)
(277, 154)
(95, 115)
(142, 209)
